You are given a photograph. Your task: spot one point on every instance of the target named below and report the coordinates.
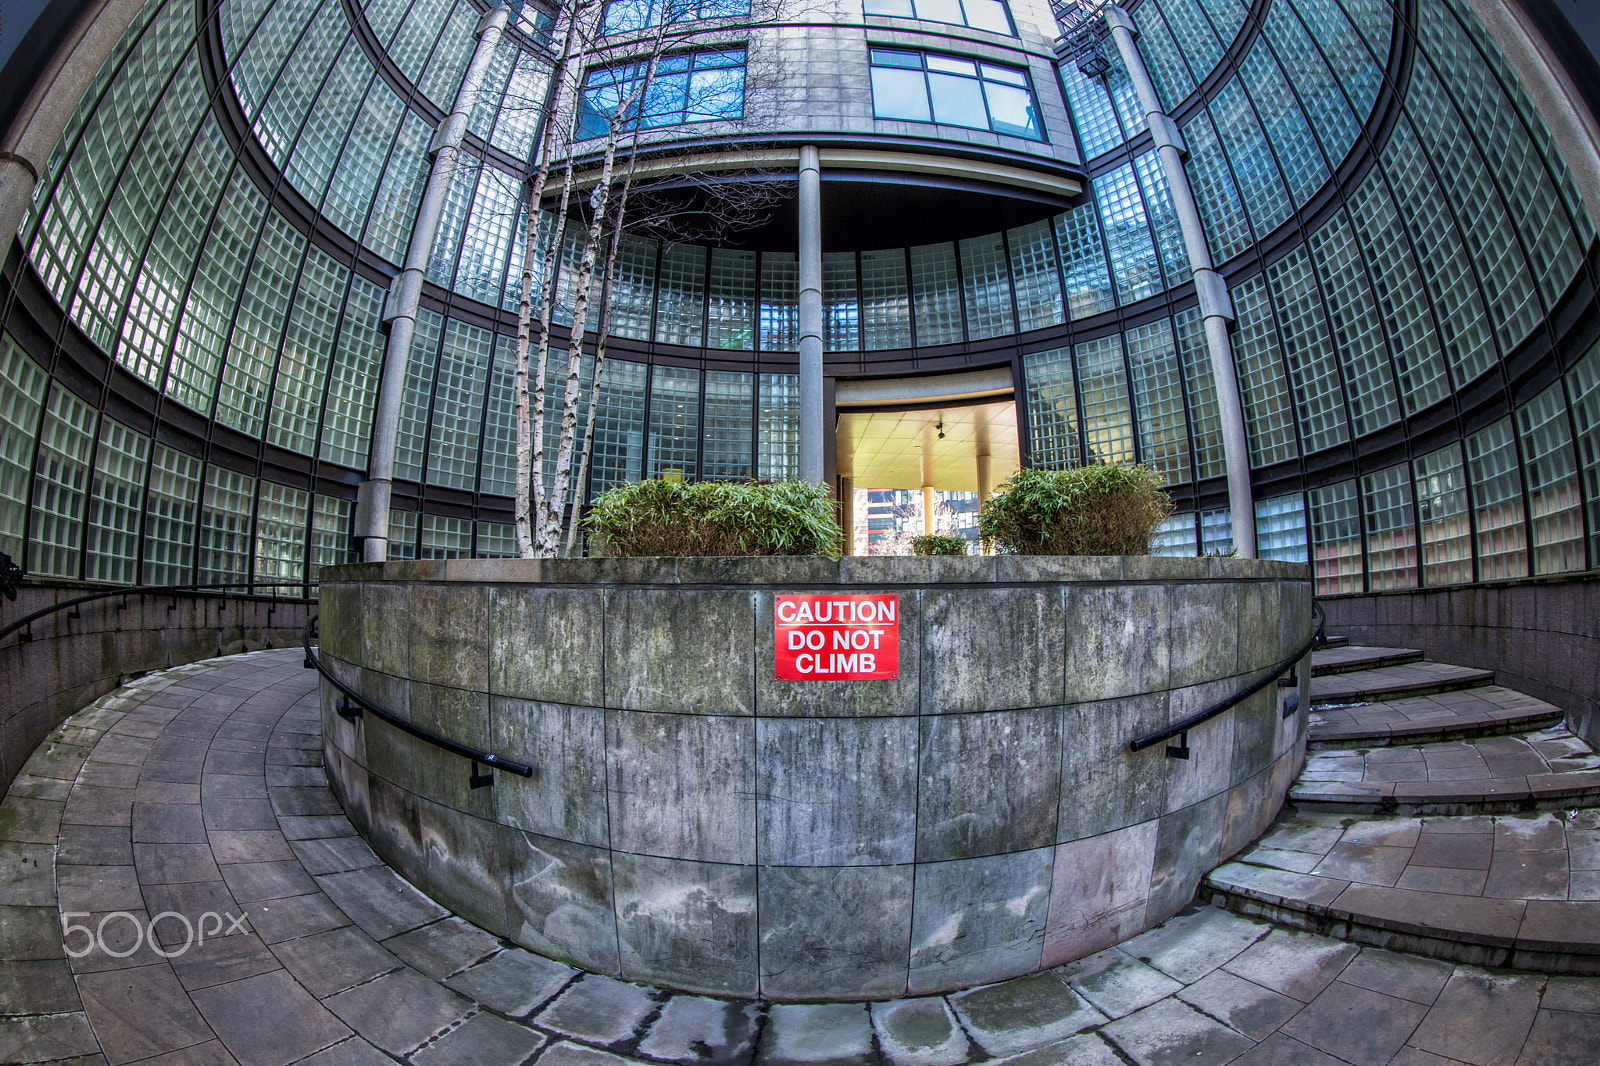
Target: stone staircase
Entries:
(1438, 813)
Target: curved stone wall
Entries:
(694, 822)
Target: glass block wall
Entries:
(1400, 236)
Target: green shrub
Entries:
(715, 518)
(932, 544)
(1090, 510)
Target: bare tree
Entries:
(673, 202)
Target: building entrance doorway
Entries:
(917, 455)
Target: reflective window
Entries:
(1176, 536)
(1103, 388)
(1034, 272)
(1336, 538)
(55, 533)
(403, 534)
(1391, 529)
(1216, 532)
(954, 91)
(1260, 368)
(1052, 409)
(841, 307)
(778, 440)
(1281, 529)
(936, 294)
(674, 423)
(281, 537)
(171, 507)
(1205, 421)
(1158, 398)
(618, 427)
(980, 14)
(1555, 511)
(22, 385)
(1497, 502)
(1583, 383)
(226, 545)
(885, 300)
(687, 87)
(729, 406)
(1441, 495)
(986, 284)
(625, 16)
(116, 504)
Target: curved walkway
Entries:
(197, 797)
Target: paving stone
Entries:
(920, 1032)
(140, 1012)
(98, 888)
(379, 901)
(1357, 1025)
(1481, 1017)
(249, 845)
(1299, 965)
(1116, 983)
(825, 1034)
(221, 959)
(282, 919)
(1023, 1013)
(1366, 863)
(565, 1054)
(95, 845)
(1190, 946)
(513, 982)
(443, 947)
(1561, 1038)
(1170, 1032)
(252, 881)
(352, 1052)
(693, 1029)
(1281, 1050)
(27, 874)
(597, 1009)
(1404, 976)
(173, 864)
(268, 1020)
(1246, 1006)
(1581, 994)
(334, 854)
(30, 933)
(399, 1011)
(483, 1038)
(38, 986)
(335, 960)
(1091, 1049)
(46, 1037)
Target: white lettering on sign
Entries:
(853, 637)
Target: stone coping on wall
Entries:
(817, 570)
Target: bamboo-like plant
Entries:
(1089, 510)
(668, 518)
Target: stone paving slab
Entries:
(1489, 710)
(1546, 770)
(338, 963)
(1384, 682)
(1492, 889)
(1348, 657)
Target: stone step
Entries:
(1389, 682)
(1336, 642)
(1514, 890)
(1347, 658)
(1543, 771)
(1489, 710)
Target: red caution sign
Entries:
(821, 637)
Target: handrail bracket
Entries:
(477, 780)
(1180, 750)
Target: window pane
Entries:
(1391, 529)
(1497, 502)
(1336, 537)
(1441, 493)
(899, 93)
(957, 101)
(1011, 110)
(674, 422)
(1552, 476)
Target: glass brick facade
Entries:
(1395, 250)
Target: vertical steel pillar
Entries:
(812, 453)
(400, 306)
(1216, 306)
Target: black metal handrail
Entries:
(353, 705)
(1181, 729)
(25, 622)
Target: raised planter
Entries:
(694, 822)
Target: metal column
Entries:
(1215, 304)
(400, 306)
(812, 452)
